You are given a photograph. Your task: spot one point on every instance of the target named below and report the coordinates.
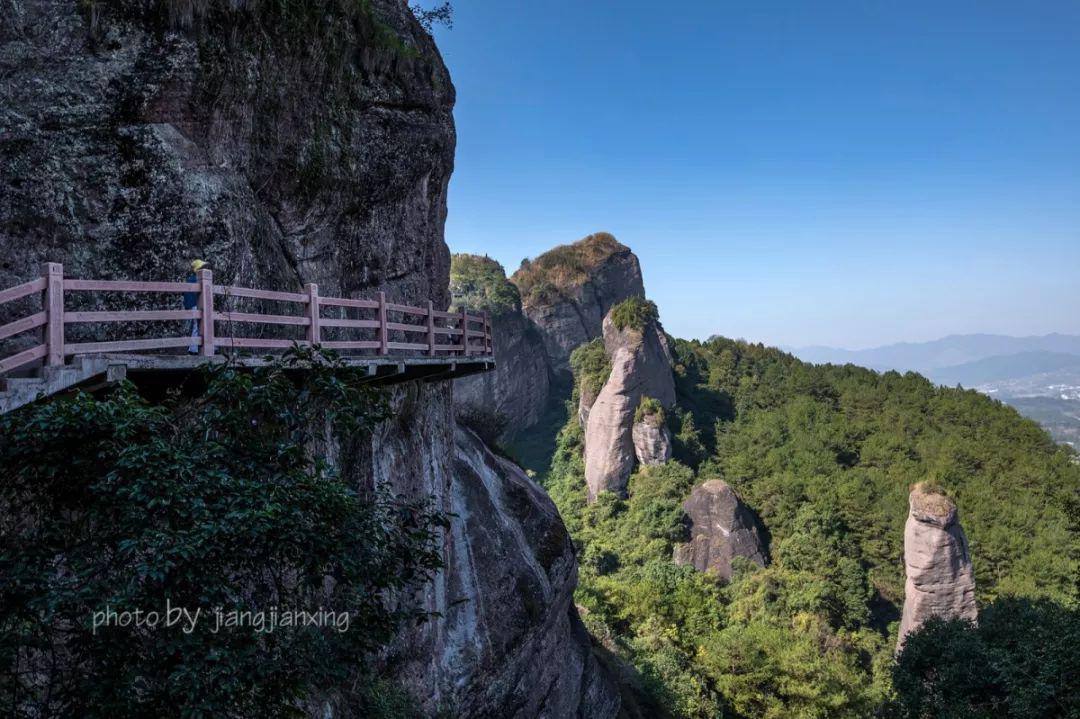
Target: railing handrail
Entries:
(53, 316)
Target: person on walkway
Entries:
(191, 301)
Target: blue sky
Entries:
(843, 173)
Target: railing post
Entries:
(489, 347)
(54, 308)
(430, 328)
(383, 339)
(313, 332)
(205, 278)
(465, 331)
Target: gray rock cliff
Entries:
(640, 367)
(568, 290)
(132, 140)
(940, 581)
(721, 528)
(517, 391)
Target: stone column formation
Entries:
(940, 581)
(640, 367)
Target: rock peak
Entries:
(940, 581)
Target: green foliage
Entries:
(442, 14)
(564, 267)
(224, 501)
(650, 409)
(635, 313)
(480, 283)
(1020, 662)
(826, 456)
(591, 367)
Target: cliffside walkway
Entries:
(393, 342)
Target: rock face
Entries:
(652, 442)
(517, 391)
(509, 642)
(721, 528)
(129, 145)
(131, 141)
(640, 367)
(518, 388)
(568, 290)
(940, 581)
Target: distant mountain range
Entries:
(945, 352)
(1040, 376)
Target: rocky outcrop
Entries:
(568, 290)
(133, 139)
(640, 367)
(721, 528)
(507, 641)
(652, 442)
(516, 393)
(940, 581)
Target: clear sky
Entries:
(843, 173)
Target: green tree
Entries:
(226, 500)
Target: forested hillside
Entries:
(825, 455)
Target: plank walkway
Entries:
(395, 342)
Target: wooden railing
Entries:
(420, 330)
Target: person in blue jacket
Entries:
(191, 301)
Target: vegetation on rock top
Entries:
(479, 283)
(634, 313)
(564, 267)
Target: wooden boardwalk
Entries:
(394, 341)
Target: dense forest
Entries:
(825, 455)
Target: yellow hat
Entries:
(197, 265)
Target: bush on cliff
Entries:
(226, 503)
(479, 283)
(564, 268)
(635, 313)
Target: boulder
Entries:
(940, 581)
(721, 528)
(640, 367)
(652, 442)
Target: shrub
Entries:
(480, 283)
(224, 501)
(591, 367)
(650, 409)
(635, 313)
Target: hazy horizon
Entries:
(841, 174)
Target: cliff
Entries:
(640, 362)
(940, 581)
(569, 289)
(285, 147)
(514, 396)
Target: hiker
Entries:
(191, 301)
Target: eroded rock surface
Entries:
(652, 442)
(508, 641)
(940, 581)
(640, 367)
(568, 290)
(721, 528)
